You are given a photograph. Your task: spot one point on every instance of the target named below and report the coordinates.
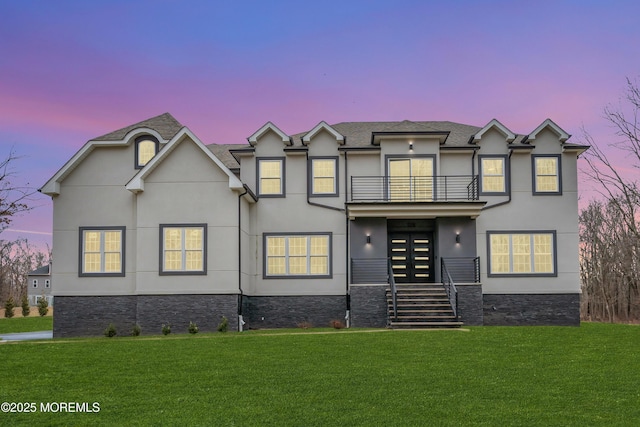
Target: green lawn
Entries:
(26, 324)
(493, 376)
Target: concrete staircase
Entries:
(421, 306)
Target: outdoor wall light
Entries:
(457, 237)
(411, 145)
(368, 239)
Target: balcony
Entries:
(411, 196)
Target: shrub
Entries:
(110, 331)
(193, 328)
(337, 324)
(9, 305)
(224, 325)
(136, 330)
(305, 325)
(166, 329)
(25, 306)
(43, 306)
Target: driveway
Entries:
(26, 336)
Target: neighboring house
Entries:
(407, 224)
(39, 285)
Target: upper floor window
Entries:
(411, 179)
(291, 255)
(546, 174)
(34, 283)
(183, 249)
(102, 251)
(146, 147)
(324, 180)
(47, 283)
(493, 175)
(271, 177)
(522, 253)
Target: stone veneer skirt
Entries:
(90, 315)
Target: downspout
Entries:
(309, 195)
(240, 320)
(509, 185)
(347, 316)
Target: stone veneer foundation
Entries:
(90, 315)
(290, 311)
(531, 309)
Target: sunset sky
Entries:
(74, 70)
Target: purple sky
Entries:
(74, 70)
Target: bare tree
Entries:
(13, 198)
(610, 228)
(17, 259)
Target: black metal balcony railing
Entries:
(446, 188)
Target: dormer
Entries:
(549, 124)
(496, 125)
(320, 127)
(264, 130)
(146, 147)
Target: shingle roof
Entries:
(40, 271)
(358, 134)
(221, 151)
(165, 124)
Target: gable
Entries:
(266, 129)
(136, 184)
(497, 126)
(320, 128)
(549, 125)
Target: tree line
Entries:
(609, 225)
(17, 257)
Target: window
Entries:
(47, 283)
(493, 176)
(411, 179)
(34, 283)
(184, 249)
(102, 251)
(546, 179)
(297, 255)
(522, 253)
(146, 147)
(270, 177)
(324, 176)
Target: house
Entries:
(39, 285)
(401, 224)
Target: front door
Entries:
(411, 257)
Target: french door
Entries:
(411, 256)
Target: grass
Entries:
(491, 376)
(26, 324)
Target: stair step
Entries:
(400, 310)
(425, 325)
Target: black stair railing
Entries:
(450, 287)
(393, 289)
